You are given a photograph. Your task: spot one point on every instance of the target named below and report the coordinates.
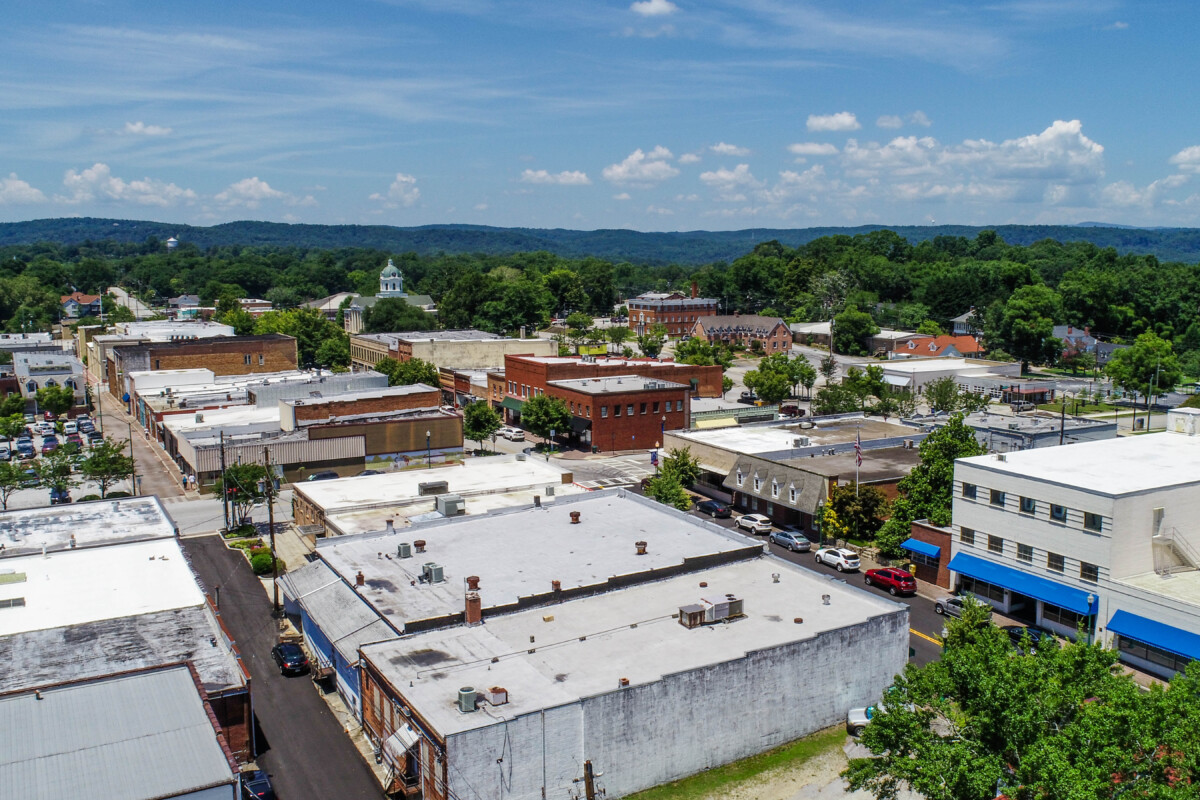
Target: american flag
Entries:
(858, 449)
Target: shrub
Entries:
(261, 563)
(88, 497)
(115, 495)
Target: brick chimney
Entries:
(695, 290)
(474, 611)
(473, 583)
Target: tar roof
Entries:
(546, 657)
(615, 384)
(129, 737)
(517, 553)
(71, 587)
(883, 464)
(1109, 467)
(100, 522)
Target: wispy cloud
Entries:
(140, 128)
(721, 148)
(841, 121)
(654, 8)
(564, 178)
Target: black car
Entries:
(1036, 635)
(369, 472)
(290, 658)
(714, 509)
(95, 437)
(256, 785)
(326, 475)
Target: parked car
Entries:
(512, 434)
(749, 398)
(953, 606)
(290, 658)
(29, 479)
(5, 453)
(839, 558)
(29, 418)
(70, 426)
(59, 497)
(50, 417)
(49, 444)
(714, 509)
(792, 540)
(324, 475)
(1017, 633)
(896, 581)
(857, 719)
(256, 785)
(95, 437)
(755, 523)
(86, 426)
(75, 439)
(43, 428)
(369, 472)
(26, 450)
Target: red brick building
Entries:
(676, 312)
(772, 333)
(624, 412)
(928, 567)
(232, 355)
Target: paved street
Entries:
(303, 746)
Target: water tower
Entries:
(172, 243)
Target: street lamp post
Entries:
(428, 451)
(266, 486)
(1091, 598)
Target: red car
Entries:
(896, 581)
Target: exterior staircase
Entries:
(1174, 552)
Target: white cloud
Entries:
(903, 156)
(140, 128)
(653, 8)
(1060, 153)
(1123, 194)
(98, 183)
(889, 121)
(621, 196)
(251, 192)
(1117, 26)
(920, 118)
(1187, 159)
(563, 178)
(731, 183)
(14, 191)
(892, 121)
(481, 206)
(641, 168)
(689, 158)
(402, 192)
(841, 121)
(812, 149)
(721, 148)
(659, 210)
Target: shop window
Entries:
(982, 589)
(1063, 616)
(1151, 653)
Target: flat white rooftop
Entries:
(615, 384)
(212, 418)
(72, 587)
(412, 511)
(1182, 586)
(362, 394)
(557, 654)
(100, 522)
(751, 439)
(1109, 467)
(518, 553)
(474, 476)
(968, 366)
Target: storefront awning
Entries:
(924, 548)
(399, 743)
(1160, 635)
(579, 425)
(512, 403)
(1023, 583)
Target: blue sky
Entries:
(650, 115)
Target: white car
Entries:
(839, 558)
(512, 434)
(71, 427)
(755, 523)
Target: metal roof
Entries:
(136, 736)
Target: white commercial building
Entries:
(1102, 533)
(972, 374)
(605, 629)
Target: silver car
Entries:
(953, 606)
(755, 523)
(839, 558)
(792, 540)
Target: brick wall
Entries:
(309, 410)
(533, 373)
(677, 321)
(639, 431)
(234, 355)
(938, 537)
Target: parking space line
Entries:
(926, 636)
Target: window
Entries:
(604, 411)
(754, 504)
(969, 491)
(1093, 522)
(770, 509)
(679, 405)
(982, 589)
(655, 410)
(12, 602)
(1025, 553)
(1088, 572)
(966, 536)
(757, 483)
(997, 497)
(1055, 562)
(1058, 513)
(1028, 505)
(31, 387)
(774, 488)
(643, 408)
(629, 409)
(995, 544)
(792, 495)
(920, 558)
(261, 360)
(740, 477)
(246, 359)
(1062, 616)
(1151, 653)
(158, 363)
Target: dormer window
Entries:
(757, 483)
(740, 477)
(774, 488)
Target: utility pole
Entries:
(269, 490)
(132, 461)
(1062, 419)
(224, 487)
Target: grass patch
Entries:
(1084, 408)
(713, 781)
(245, 544)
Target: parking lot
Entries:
(25, 451)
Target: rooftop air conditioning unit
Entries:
(432, 573)
(404, 550)
(801, 441)
(432, 487)
(719, 609)
(450, 505)
(1014, 426)
(549, 491)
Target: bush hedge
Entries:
(261, 563)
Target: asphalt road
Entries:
(925, 625)
(302, 745)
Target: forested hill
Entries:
(686, 248)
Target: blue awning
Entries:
(924, 548)
(1014, 579)
(1173, 640)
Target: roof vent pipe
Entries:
(419, 544)
(825, 599)
(360, 579)
(473, 583)
(641, 548)
(574, 517)
(391, 526)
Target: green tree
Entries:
(726, 385)
(107, 463)
(1147, 368)
(406, 373)
(701, 353)
(334, 353)
(834, 398)
(396, 315)
(543, 413)
(1058, 722)
(828, 368)
(307, 326)
(862, 509)
(618, 335)
(240, 483)
(770, 385)
(666, 489)
(927, 491)
(682, 465)
(579, 327)
(240, 320)
(12, 425)
(1027, 325)
(651, 342)
(942, 394)
(479, 421)
(851, 329)
(56, 399)
(55, 471)
(11, 478)
(930, 328)
(12, 404)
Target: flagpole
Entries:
(857, 456)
